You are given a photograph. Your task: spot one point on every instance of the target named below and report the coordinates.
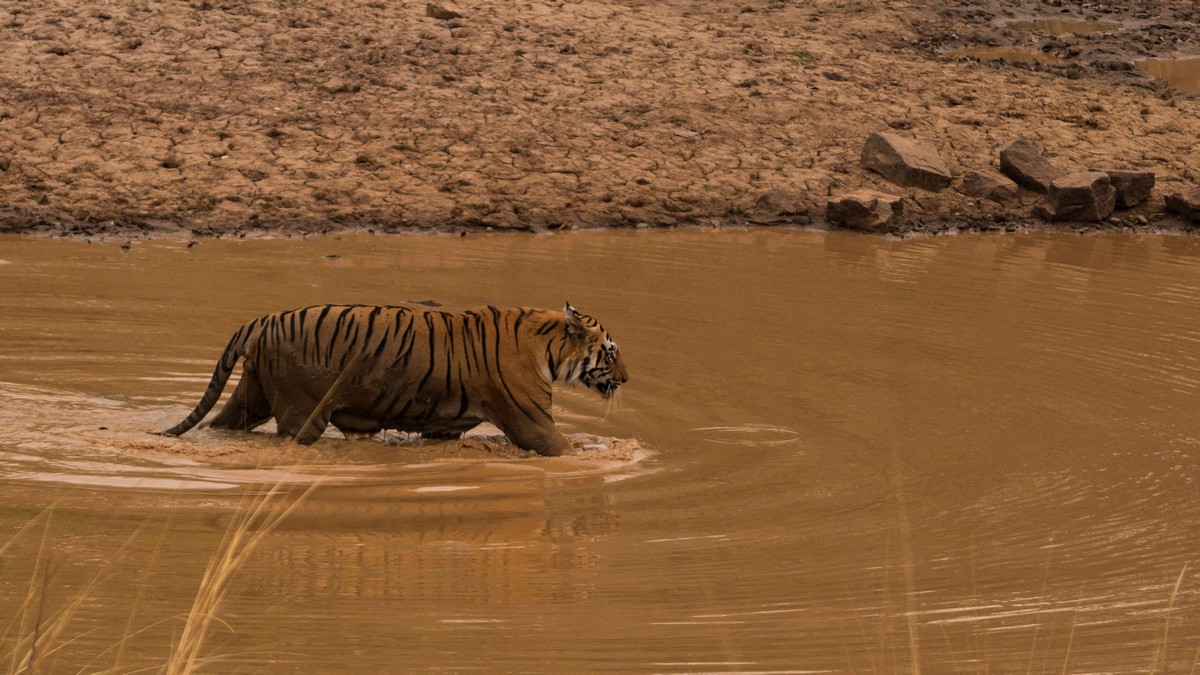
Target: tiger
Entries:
(410, 367)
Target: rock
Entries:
(865, 210)
(1021, 161)
(776, 202)
(1084, 196)
(1186, 204)
(1133, 187)
(905, 162)
(444, 10)
(987, 184)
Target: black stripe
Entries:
(513, 398)
(371, 326)
(449, 349)
(432, 361)
(462, 408)
(468, 345)
(303, 337)
(539, 406)
(409, 338)
(317, 333)
(337, 333)
(388, 337)
(483, 338)
(516, 329)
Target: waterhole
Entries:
(1179, 73)
(964, 453)
(1061, 26)
(1006, 53)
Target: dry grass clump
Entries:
(35, 631)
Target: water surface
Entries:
(963, 454)
(1006, 53)
(1062, 26)
(1179, 73)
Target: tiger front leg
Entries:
(542, 437)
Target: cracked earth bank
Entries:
(220, 116)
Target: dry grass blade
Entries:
(1161, 651)
(327, 398)
(22, 618)
(907, 566)
(252, 523)
(34, 643)
(45, 513)
(1070, 641)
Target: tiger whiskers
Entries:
(612, 403)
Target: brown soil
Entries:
(223, 116)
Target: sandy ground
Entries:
(222, 116)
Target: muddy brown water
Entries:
(1061, 26)
(969, 454)
(1179, 73)
(1006, 53)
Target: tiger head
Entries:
(598, 362)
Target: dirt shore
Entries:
(219, 116)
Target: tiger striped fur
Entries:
(410, 367)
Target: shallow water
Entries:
(1179, 73)
(1010, 54)
(972, 453)
(1061, 26)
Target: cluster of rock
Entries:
(1086, 196)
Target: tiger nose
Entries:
(621, 376)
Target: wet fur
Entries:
(412, 368)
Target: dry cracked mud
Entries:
(214, 117)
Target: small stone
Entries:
(1021, 161)
(1186, 204)
(905, 162)
(865, 210)
(1085, 196)
(776, 202)
(1133, 187)
(343, 87)
(444, 11)
(987, 184)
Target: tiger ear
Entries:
(574, 324)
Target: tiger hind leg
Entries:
(246, 408)
(304, 424)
